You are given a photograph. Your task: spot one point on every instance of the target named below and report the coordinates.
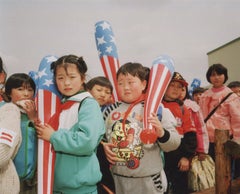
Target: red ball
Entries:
(148, 136)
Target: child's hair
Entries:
(187, 96)
(17, 80)
(100, 80)
(2, 70)
(198, 90)
(135, 69)
(65, 60)
(1, 65)
(219, 69)
(234, 84)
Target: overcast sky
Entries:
(186, 30)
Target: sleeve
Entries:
(188, 144)
(10, 133)
(234, 107)
(171, 138)
(201, 132)
(84, 137)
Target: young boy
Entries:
(177, 162)
(136, 167)
(101, 89)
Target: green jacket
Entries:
(81, 128)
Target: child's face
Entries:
(102, 94)
(197, 96)
(130, 88)
(183, 93)
(173, 91)
(25, 92)
(217, 80)
(69, 81)
(236, 90)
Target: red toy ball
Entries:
(148, 136)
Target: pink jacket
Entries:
(201, 130)
(226, 117)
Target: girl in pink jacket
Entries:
(227, 116)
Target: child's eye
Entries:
(20, 88)
(59, 78)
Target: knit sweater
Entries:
(10, 140)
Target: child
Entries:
(178, 161)
(197, 118)
(227, 116)
(20, 89)
(197, 92)
(101, 89)
(235, 87)
(75, 131)
(136, 168)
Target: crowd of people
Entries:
(98, 142)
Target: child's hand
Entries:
(156, 124)
(29, 107)
(44, 131)
(111, 156)
(184, 164)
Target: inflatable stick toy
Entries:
(107, 52)
(48, 100)
(160, 75)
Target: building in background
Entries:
(229, 56)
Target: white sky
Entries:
(144, 29)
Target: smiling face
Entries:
(69, 80)
(174, 91)
(129, 87)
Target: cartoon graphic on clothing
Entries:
(129, 147)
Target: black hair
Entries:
(17, 80)
(100, 80)
(135, 69)
(198, 90)
(219, 69)
(234, 84)
(2, 70)
(70, 59)
(187, 96)
(1, 65)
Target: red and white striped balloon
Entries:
(159, 78)
(107, 51)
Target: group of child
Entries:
(97, 142)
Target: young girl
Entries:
(19, 89)
(227, 116)
(75, 131)
(197, 118)
(178, 161)
(136, 168)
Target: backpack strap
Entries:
(214, 110)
